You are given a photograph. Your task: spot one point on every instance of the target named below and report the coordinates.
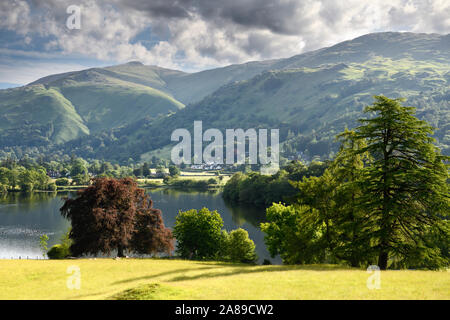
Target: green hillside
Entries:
(393, 45)
(130, 110)
(113, 103)
(36, 115)
(309, 105)
(60, 108)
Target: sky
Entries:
(39, 38)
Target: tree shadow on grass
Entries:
(242, 269)
(165, 273)
(233, 269)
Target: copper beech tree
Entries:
(114, 214)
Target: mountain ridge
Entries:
(308, 93)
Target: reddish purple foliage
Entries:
(114, 214)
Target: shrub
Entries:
(62, 182)
(3, 188)
(27, 187)
(58, 251)
(52, 187)
(80, 180)
(62, 250)
(174, 171)
(240, 247)
(168, 180)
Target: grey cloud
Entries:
(209, 33)
(279, 16)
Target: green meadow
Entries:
(178, 279)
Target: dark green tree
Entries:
(404, 189)
(174, 171)
(78, 167)
(145, 169)
(351, 244)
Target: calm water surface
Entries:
(23, 218)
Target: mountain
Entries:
(130, 110)
(63, 107)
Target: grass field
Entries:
(177, 279)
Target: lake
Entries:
(24, 217)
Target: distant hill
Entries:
(63, 107)
(130, 110)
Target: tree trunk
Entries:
(120, 252)
(383, 260)
(354, 262)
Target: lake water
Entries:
(24, 217)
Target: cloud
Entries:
(198, 34)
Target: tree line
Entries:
(20, 178)
(262, 190)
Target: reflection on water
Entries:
(23, 218)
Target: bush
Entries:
(240, 247)
(198, 234)
(27, 187)
(52, 187)
(62, 250)
(168, 180)
(174, 171)
(266, 262)
(58, 251)
(3, 188)
(62, 182)
(80, 180)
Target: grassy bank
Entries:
(176, 279)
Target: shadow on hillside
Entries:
(232, 270)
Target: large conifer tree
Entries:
(404, 189)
